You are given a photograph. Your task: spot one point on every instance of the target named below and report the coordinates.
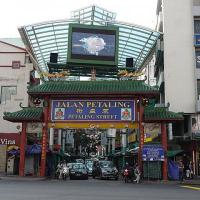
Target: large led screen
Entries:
(93, 44)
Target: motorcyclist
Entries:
(128, 172)
(64, 171)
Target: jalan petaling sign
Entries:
(93, 110)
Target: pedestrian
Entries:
(59, 170)
(191, 170)
(181, 168)
(185, 161)
(137, 173)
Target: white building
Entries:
(15, 68)
(177, 68)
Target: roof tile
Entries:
(160, 114)
(27, 114)
(91, 87)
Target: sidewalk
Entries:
(19, 178)
(195, 181)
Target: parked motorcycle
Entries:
(65, 172)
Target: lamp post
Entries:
(111, 134)
(123, 134)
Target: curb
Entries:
(11, 178)
(173, 182)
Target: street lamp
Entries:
(123, 134)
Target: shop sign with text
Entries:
(93, 110)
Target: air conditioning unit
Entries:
(161, 105)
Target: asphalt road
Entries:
(92, 190)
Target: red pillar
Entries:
(164, 144)
(44, 139)
(22, 150)
(141, 134)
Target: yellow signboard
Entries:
(132, 138)
(106, 125)
(151, 131)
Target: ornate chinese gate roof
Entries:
(158, 114)
(26, 114)
(152, 114)
(94, 88)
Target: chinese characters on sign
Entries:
(95, 110)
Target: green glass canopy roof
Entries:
(52, 37)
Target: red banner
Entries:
(10, 139)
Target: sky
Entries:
(16, 13)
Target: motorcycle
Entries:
(65, 172)
(127, 176)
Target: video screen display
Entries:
(93, 44)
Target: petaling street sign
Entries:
(93, 110)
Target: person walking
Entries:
(137, 173)
(181, 169)
(191, 170)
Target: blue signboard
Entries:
(92, 110)
(197, 39)
(153, 153)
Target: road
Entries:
(92, 190)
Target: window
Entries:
(197, 56)
(15, 64)
(6, 92)
(186, 122)
(198, 88)
(197, 26)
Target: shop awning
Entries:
(173, 153)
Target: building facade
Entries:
(177, 71)
(15, 67)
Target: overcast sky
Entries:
(15, 13)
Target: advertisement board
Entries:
(93, 44)
(196, 126)
(93, 110)
(152, 153)
(10, 139)
(151, 131)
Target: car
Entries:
(78, 171)
(104, 169)
(69, 165)
(89, 166)
(80, 160)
